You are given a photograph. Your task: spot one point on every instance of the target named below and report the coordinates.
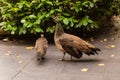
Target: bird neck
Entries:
(59, 30)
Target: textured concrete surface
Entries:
(19, 63)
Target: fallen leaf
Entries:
(101, 65)
(112, 55)
(20, 62)
(8, 53)
(107, 47)
(6, 39)
(105, 40)
(17, 56)
(112, 38)
(30, 47)
(112, 46)
(101, 41)
(84, 69)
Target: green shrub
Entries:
(34, 16)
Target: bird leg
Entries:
(71, 58)
(63, 57)
(42, 58)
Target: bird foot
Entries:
(69, 59)
(43, 58)
(38, 59)
(62, 59)
(65, 60)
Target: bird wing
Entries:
(69, 47)
(80, 44)
(41, 44)
(45, 42)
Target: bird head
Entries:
(56, 18)
(42, 35)
(59, 29)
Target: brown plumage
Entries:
(71, 44)
(41, 46)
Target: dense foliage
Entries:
(34, 16)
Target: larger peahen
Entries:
(73, 45)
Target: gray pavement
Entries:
(19, 63)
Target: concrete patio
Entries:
(18, 62)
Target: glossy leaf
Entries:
(49, 2)
(26, 16)
(37, 29)
(65, 21)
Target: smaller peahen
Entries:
(41, 46)
(73, 45)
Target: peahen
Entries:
(41, 46)
(73, 45)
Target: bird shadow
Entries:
(41, 62)
(85, 60)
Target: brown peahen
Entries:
(73, 45)
(41, 46)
